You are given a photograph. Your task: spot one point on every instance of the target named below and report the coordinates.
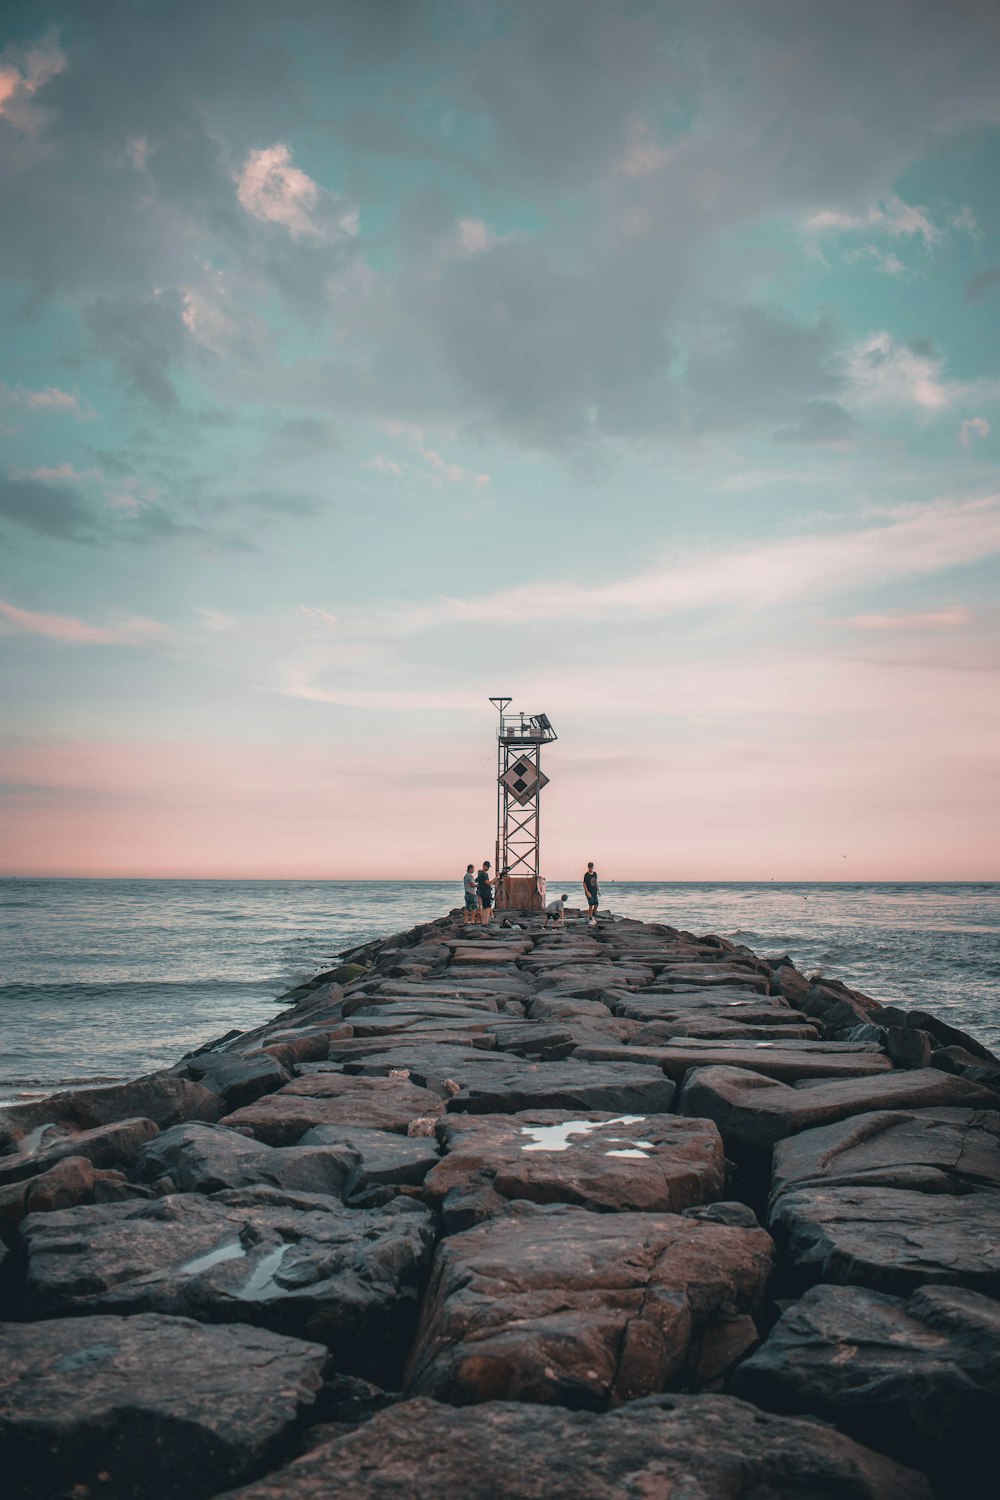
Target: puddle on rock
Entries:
(233, 1251)
(557, 1137)
(261, 1283)
(28, 1144)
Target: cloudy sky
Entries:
(364, 358)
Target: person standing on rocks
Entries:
(484, 889)
(471, 896)
(592, 893)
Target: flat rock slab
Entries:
(727, 1005)
(209, 1159)
(297, 1264)
(890, 1239)
(565, 1307)
(547, 1006)
(588, 980)
(615, 1087)
(676, 1059)
(488, 953)
(662, 1448)
(717, 1028)
(644, 1163)
(926, 1150)
(281, 1119)
(474, 982)
(919, 1380)
(711, 976)
(147, 1408)
(753, 1112)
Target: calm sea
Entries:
(105, 979)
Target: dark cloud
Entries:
(142, 338)
(819, 422)
(982, 283)
(756, 366)
(55, 510)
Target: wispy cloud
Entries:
(50, 399)
(130, 630)
(894, 217)
(898, 619)
(915, 541)
(973, 427)
(450, 473)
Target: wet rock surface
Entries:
(298, 1264)
(705, 1448)
(144, 1407)
(523, 1165)
(890, 1239)
(917, 1379)
(563, 1306)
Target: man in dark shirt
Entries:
(592, 893)
(484, 889)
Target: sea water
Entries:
(105, 979)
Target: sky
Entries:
(363, 359)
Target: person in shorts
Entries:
(556, 910)
(592, 892)
(484, 890)
(471, 897)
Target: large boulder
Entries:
(239, 1080)
(208, 1159)
(115, 1145)
(928, 1150)
(561, 1306)
(790, 1064)
(146, 1408)
(617, 1087)
(281, 1119)
(297, 1264)
(382, 1159)
(655, 1163)
(693, 1006)
(918, 1380)
(161, 1097)
(889, 1239)
(662, 1448)
(753, 1112)
(710, 976)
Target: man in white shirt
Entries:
(471, 899)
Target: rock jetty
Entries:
(602, 1213)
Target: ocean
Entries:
(106, 979)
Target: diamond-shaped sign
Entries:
(523, 780)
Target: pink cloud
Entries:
(451, 473)
(132, 631)
(973, 427)
(271, 189)
(24, 72)
(51, 399)
(901, 620)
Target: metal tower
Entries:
(520, 737)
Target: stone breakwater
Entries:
(513, 1212)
